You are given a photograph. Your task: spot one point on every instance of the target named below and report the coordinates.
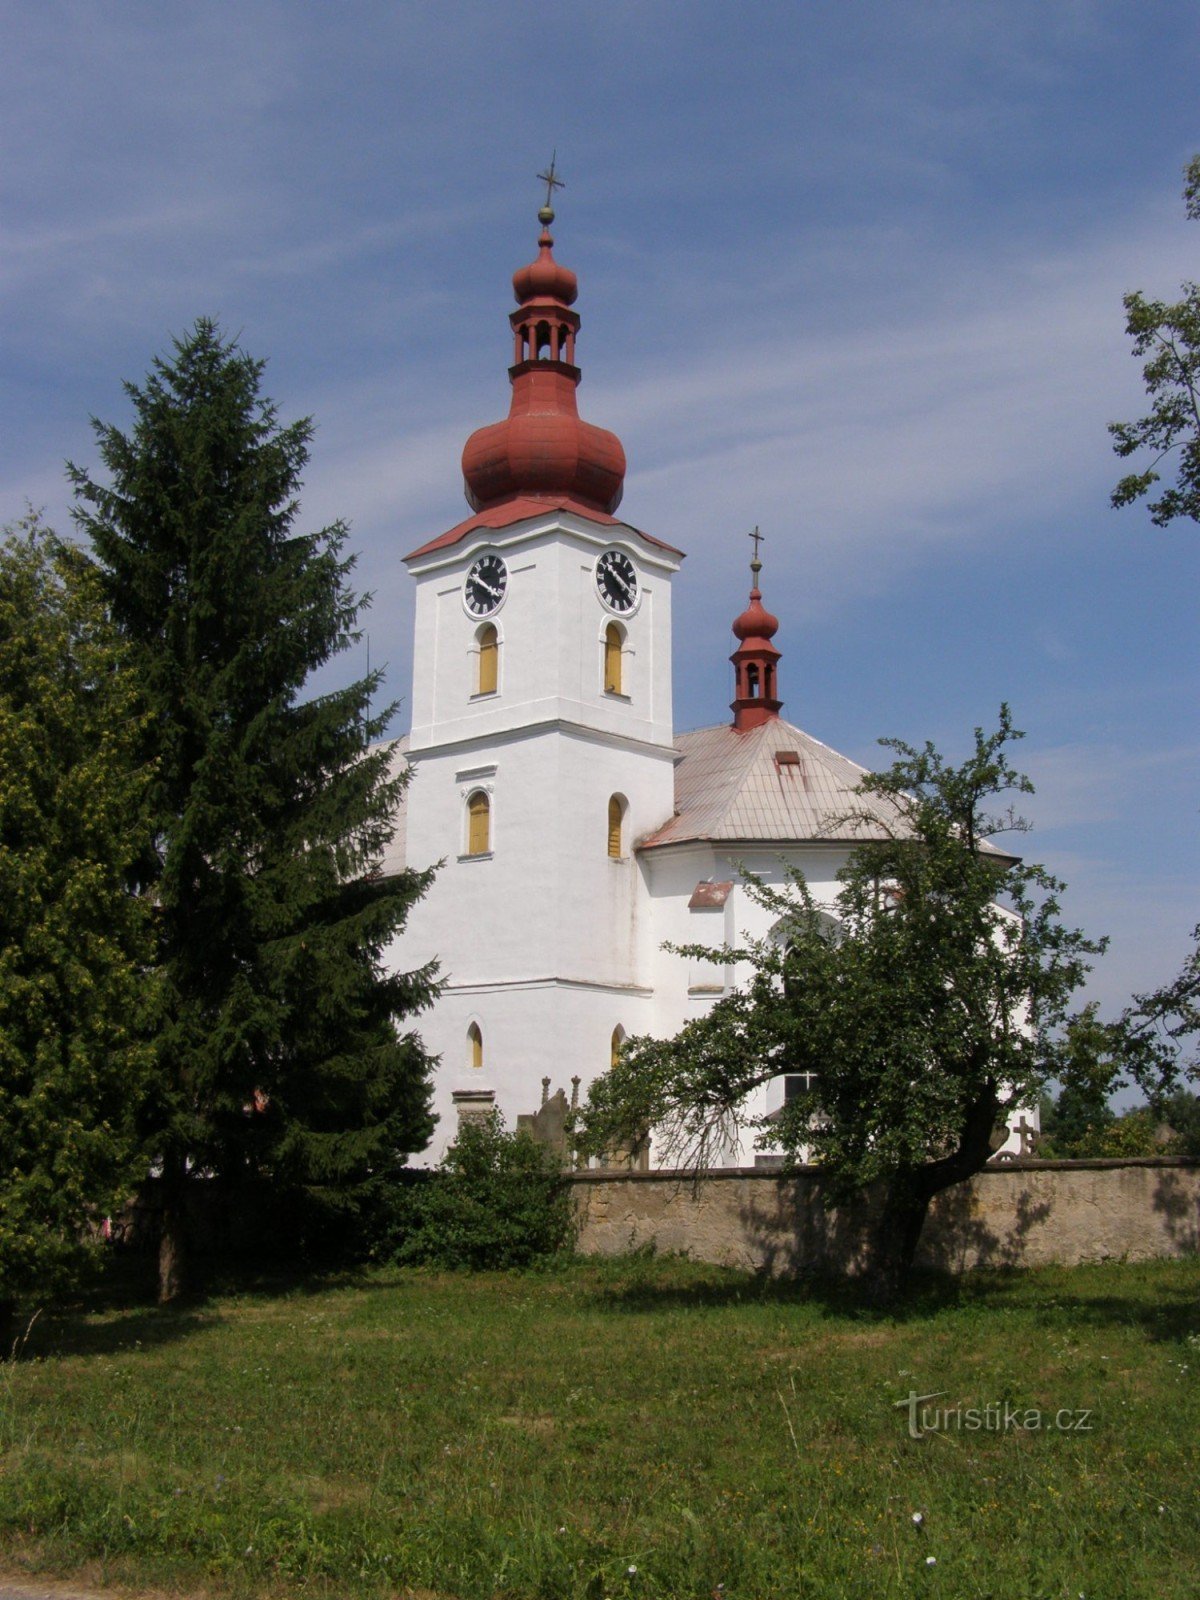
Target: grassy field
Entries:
(642, 1428)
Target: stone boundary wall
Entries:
(1021, 1213)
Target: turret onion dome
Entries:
(756, 622)
(544, 278)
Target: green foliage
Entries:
(1151, 1046)
(1168, 334)
(1161, 1031)
(1107, 1136)
(1181, 1112)
(74, 941)
(924, 1000)
(278, 1052)
(1089, 1072)
(498, 1200)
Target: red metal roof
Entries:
(523, 508)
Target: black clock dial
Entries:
(616, 581)
(485, 586)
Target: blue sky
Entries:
(849, 271)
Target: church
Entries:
(578, 832)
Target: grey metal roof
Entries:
(730, 786)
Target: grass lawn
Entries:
(638, 1428)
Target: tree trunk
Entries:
(894, 1237)
(172, 1237)
(8, 1323)
(896, 1231)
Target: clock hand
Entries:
(613, 573)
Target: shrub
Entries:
(499, 1199)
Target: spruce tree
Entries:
(282, 1066)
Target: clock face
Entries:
(486, 583)
(616, 581)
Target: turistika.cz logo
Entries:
(998, 1417)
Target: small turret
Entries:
(756, 659)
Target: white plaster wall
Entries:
(545, 943)
(551, 628)
(553, 1030)
(547, 901)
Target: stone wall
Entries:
(1018, 1213)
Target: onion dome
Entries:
(756, 622)
(544, 278)
(543, 449)
(756, 659)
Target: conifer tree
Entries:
(74, 942)
(281, 1065)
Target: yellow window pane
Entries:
(614, 827)
(612, 659)
(478, 825)
(489, 661)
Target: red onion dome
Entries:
(756, 622)
(544, 279)
(543, 448)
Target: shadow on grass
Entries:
(118, 1309)
(1163, 1311)
(651, 1285)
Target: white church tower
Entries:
(582, 841)
(542, 745)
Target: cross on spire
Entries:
(552, 181)
(759, 538)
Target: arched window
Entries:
(489, 660)
(614, 1048)
(616, 826)
(479, 824)
(475, 1045)
(612, 659)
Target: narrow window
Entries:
(616, 817)
(614, 1048)
(479, 818)
(752, 681)
(612, 659)
(475, 1045)
(798, 1083)
(489, 660)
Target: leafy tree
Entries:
(74, 943)
(1160, 1032)
(1090, 1073)
(1169, 335)
(1152, 1046)
(924, 1002)
(279, 1061)
(1181, 1112)
(498, 1200)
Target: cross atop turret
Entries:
(552, 181)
